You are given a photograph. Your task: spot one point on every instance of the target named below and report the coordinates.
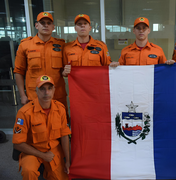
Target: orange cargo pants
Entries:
(52, 171)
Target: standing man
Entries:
(141, 52)
(39, 124)
(39, 55)
(85, 51)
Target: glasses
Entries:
(43, 23)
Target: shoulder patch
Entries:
(28, 38)
(17, 130)
(20, 121)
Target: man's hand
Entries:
(114, 64)
(24, 100)
(170, 62)
(48, 156)
(67, 70)
(67, 165)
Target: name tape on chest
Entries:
(56, 49)
(96, 48)
(94, 52)
(152, 56)
(56, 45)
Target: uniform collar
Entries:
(134, 46)
(38, 40)
(38, 108)
(91, 42)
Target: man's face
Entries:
(82, 28)
(45, 26)
(141, 31)
(45, 93)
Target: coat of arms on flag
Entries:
(132, 125)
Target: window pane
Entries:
(123, 13)
(64, 13)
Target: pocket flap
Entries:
(34, 55)
(56, 54)
(73, 58)
(94, 57)
(38, 128)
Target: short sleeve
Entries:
(20, 129)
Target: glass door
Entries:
(12, 30)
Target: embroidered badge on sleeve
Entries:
(20, 121)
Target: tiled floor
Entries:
(8, 167)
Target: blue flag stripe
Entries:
(165, 121)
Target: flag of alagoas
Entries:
(123, 122)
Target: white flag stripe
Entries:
(130, 159)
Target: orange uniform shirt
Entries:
(34, 127)
(94, 54)
(150, 54)
(35, 58)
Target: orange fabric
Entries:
(30, 165)
(35, 128)
(74, 53)
(150, 54)
(35, 58)
(174, 53)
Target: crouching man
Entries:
(38, 127)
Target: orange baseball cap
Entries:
(44, 79)
(141, 20)
(84, 16)
(43, 15)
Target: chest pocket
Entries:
(130, 59)
(153, 59)
(39, 133)
(74, 60)
(34, 60)
(94, 60)
(55, 132)
(56, 60)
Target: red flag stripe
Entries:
(90, 123)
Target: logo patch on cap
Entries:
(81, 15)
(45, 78)
(45, 14)
(141, 19)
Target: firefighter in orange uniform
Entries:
(85, 51)
(39, 55)
(39, 124)
(141, 52)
